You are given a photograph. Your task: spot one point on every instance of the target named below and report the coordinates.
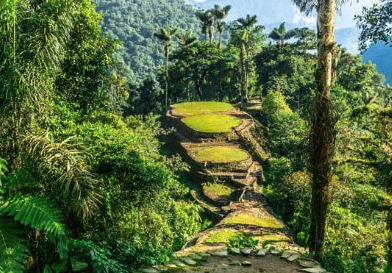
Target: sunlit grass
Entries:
(222, 236)
(201, 107)
(247, 219)
(219, 189)
(212, 123)
(219, 154)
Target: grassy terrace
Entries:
(253, 220)
(219, 154)
(212, 123)
(201, 107)
(220, 189)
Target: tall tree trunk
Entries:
(220, 39)
(322, 137)
(167, 52)
(243, 71)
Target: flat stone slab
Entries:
(235, 250)
(196, 257)
(149, 270)
(275, 252)
(246, 250)
(262, 252)
(188, 261)
(314, 270)
(204, 255)
(171, 266)
(287, 254)
(246, 263)
(178, 263)
(160, 268)
(293, 257)
(309, 263)
(220, 253)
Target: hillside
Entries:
(134, 22)
(381, 55)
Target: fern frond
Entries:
(35, 212)
(13, 252)
(68, 165)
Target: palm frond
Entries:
(67, 165)
(35, 212)
(13, 252)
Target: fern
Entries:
(13, 252)
(35, 212)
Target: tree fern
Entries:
(13, 252)
(35, 212)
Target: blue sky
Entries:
(291, 13)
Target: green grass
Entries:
(222, 236)
(212, 123)
(219, 189)
(201, 107)
(219, 154)
(247, 219)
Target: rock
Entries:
(275, 251)
(178, 263)
(188, 260)
(160, 268)
(309, 263)
(196, 257)
(235, 250)
(287, 254)
(246, 263)
(204, 255)
(220, 253)
(246, 250)
(293, 257)
(314, 270)
(149, 270)
(224, 265)
(170, 265)
(235, 262)
(262, 252)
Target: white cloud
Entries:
(199, 1)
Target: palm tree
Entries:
(280, 34)
(186, 38)
(207, 23)
(165, 34)
(322, 123)
(220, 14)
(244, 29)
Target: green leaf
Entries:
(35, 212)
(13, 252)
(60, 266)
(78, 265)
(47, 269)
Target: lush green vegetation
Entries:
(212, 123)
(84, 184)
(219, 154)
(201, 107)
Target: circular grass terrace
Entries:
(218, 154)
(212, 123)
(201, 107)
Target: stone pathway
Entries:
(244, 215)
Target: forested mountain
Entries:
(134, 23)
(381, 56)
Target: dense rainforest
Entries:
(85, 184)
